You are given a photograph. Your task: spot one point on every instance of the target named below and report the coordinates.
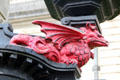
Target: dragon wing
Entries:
(58, 33)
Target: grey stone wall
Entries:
(4, 5)
(27, 9)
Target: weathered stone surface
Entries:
(23, 9)
(4, 4)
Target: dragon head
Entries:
(93, 37)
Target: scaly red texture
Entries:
(63, 44)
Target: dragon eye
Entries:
(98, 34)
(93, 27)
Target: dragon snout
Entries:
(105, 43)
(102, 42)
(98, 43)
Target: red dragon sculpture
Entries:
(63, 44)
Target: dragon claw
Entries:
(72, 61)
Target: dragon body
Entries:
(63, 44)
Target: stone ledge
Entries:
(30, 13)
(27, 9)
